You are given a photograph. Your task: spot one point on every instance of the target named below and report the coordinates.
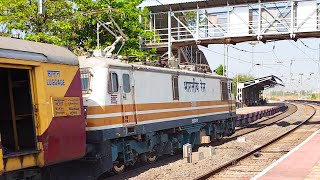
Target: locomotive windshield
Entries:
(86, 81)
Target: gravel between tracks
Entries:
(225, 152)
(251, 166)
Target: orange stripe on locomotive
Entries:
(117, 120)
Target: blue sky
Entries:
(305, 61)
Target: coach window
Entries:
(175, 88)
(126, 83)
(114, 82)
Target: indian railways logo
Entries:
(54, 78)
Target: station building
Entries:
(250, 93)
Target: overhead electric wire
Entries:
(255, 52)
(159, 2)
(275, 53)
(235, 58)
(308, 46)
(291, 41)
(287, 23)
(227, 55)
(271, 24)
(278, 60)
(300, 59)
(301, 50)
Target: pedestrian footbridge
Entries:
(202, 22)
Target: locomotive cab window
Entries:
(126, 83)
(86, 77)
(17, 125)
(175, 88)
(113, 83)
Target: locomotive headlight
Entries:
(85, 108)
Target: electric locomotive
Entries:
(143, 112)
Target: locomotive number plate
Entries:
(66, 106)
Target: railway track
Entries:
(255, 126)
(259, 124)
(290, 109)
(251, 163)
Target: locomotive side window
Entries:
(86, 77)
(175, 88)
(126, 83)
(224, 91)
(230, 87)
(114, 82)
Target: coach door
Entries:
(17, 129)
(127, 98)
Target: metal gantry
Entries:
(230, 24)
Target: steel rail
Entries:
(268, 118)
(265, 125)
(234, 161)
(177, 156)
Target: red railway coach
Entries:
(42, 122)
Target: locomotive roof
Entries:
(92, 62)
(35, 51)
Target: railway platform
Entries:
(249, 114)
(302, 162)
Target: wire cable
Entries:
(308, 46)
(159, 2)
(279, 62)
(255, 52)
(275, 53)
(299, 39)
(241, 60)
(227, 55)
(301, 50)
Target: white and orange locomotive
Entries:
(144, 111)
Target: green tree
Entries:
(219, 70)
(125, 14)
(73, 25)
(20, 18)
(240, 78)
(313, 96)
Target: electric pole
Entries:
(301, 85)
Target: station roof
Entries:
(263, 82)
(34, 51)
(165, 5)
